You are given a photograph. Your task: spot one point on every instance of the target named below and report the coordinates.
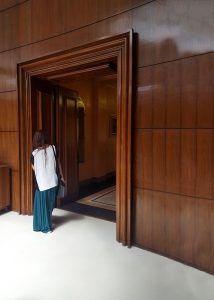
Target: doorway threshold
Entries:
(106, 198)
(100, 205)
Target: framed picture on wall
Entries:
(113, 124)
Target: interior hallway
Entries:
(81, 260)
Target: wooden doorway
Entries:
(53, 109)
(80, 60)
(97, 136)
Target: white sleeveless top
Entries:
(45, 168)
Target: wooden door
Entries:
(67, 138)
(44, 108)
(54, 111)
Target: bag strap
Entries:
(53, 151)
(57, 164)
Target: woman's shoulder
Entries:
(51, 147)
(55, 148)
(34, 152)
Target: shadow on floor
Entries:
(61, 220)
(95, 187)
(91, 211)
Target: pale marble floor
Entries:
(81, 260)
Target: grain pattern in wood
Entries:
(168, 30)
(143, 162)
(8, 111)
(204, 163)
(188, 162)
(9, 150)
(5, 197)
(9, 4)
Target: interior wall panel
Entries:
(159, 95)
(204, 232)
(176, 94)
(204, 163)
(171, 29)
(205, 91)
(167, 223)
(10, 59)
(8, 112)
(9, 4)
(188, 150)
(9, 153)
(187, 229)
(38, 20)
(157, 43)
(189, 88)
(144, 100)
(80, 15)
(142, 229)
(173, 97)
(178, 161)
(173, 109)
(159, 160)
(173, 160)
(111, 26)
(172, 224)
(16, 23)
(15, 191)
(159, 238)
(8, 70)
(143, 162)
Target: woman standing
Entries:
(44, 165)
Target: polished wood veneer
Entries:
(173, 120)
(8, 111)
(9, 4)
(166, 222)
(113, 49)
(5, 187)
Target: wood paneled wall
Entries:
(173, 171)
(173, 159)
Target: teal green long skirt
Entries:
(44, 203)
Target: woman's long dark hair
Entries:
(40, 140)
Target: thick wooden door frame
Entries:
(116, 48)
